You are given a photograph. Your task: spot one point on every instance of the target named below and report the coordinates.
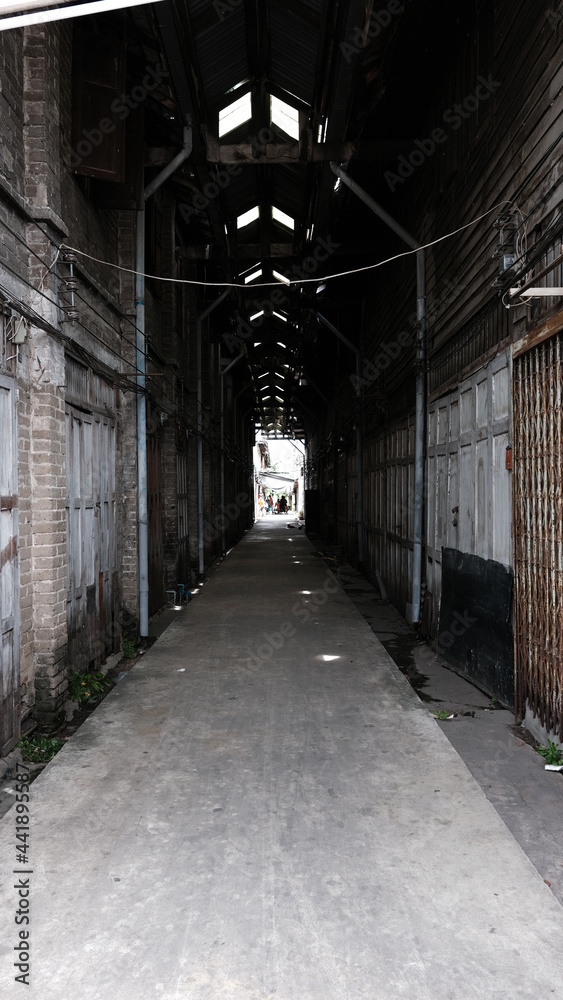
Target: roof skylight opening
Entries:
(265, 397)
(279, 343)
(280, 387)
(283, 218)
(285, 117)
(263, 375)
(281, 277)
(235, 114)
(280, 316)
(247, 217)
(258, 343)
(253, 276)
(279, 399)
(277, 374)
(256, 316)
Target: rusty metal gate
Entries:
(9, 589)
(538, 531)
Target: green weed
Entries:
(552, 754)
(40, 749)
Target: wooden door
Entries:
(9, 582)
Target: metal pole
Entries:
(420, 427)
(142, 499)
(141, 365)
(420, 406)
(199, 428)
(359, 439)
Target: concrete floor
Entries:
(508, 769)
(264, 809)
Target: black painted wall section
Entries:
(475, 633)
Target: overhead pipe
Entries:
(141, 366)
(199, 428)
(420, 406)
(359, 438)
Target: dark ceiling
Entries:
(317, 81)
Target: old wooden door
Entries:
(9, 583)
(91, 539)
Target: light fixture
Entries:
(536, 293)
(21, 20)
(235, 114)
(247, 217)
(283, 218)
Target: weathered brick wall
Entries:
(48, 532)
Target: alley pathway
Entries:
(262, 809)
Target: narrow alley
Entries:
(263, 809)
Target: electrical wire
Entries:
(64, 247)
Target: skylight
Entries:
(280, 316)
(281, 277)
(253, 276)
(285, 117)
(235, 114)
(247, 217)
(282, 345)
(256, 315)
(283, 218)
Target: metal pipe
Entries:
(419, 431)
(375, 206)
(141, 366)
(142, 500)
(359, 439)
(222, 446)
(420, 407)
(171, 167)
(199, 428)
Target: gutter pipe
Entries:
(141, 366)
(420, 412)
(199, 429)
(359, 439)
(222, 374)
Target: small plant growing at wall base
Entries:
(128, 648)
(552, 754)
(87, 687)
(40, 749)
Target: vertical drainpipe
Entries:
(222, 374)
(199, 429)
(359, 437)
(141, 366)
(420, 412)
(142, 501)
